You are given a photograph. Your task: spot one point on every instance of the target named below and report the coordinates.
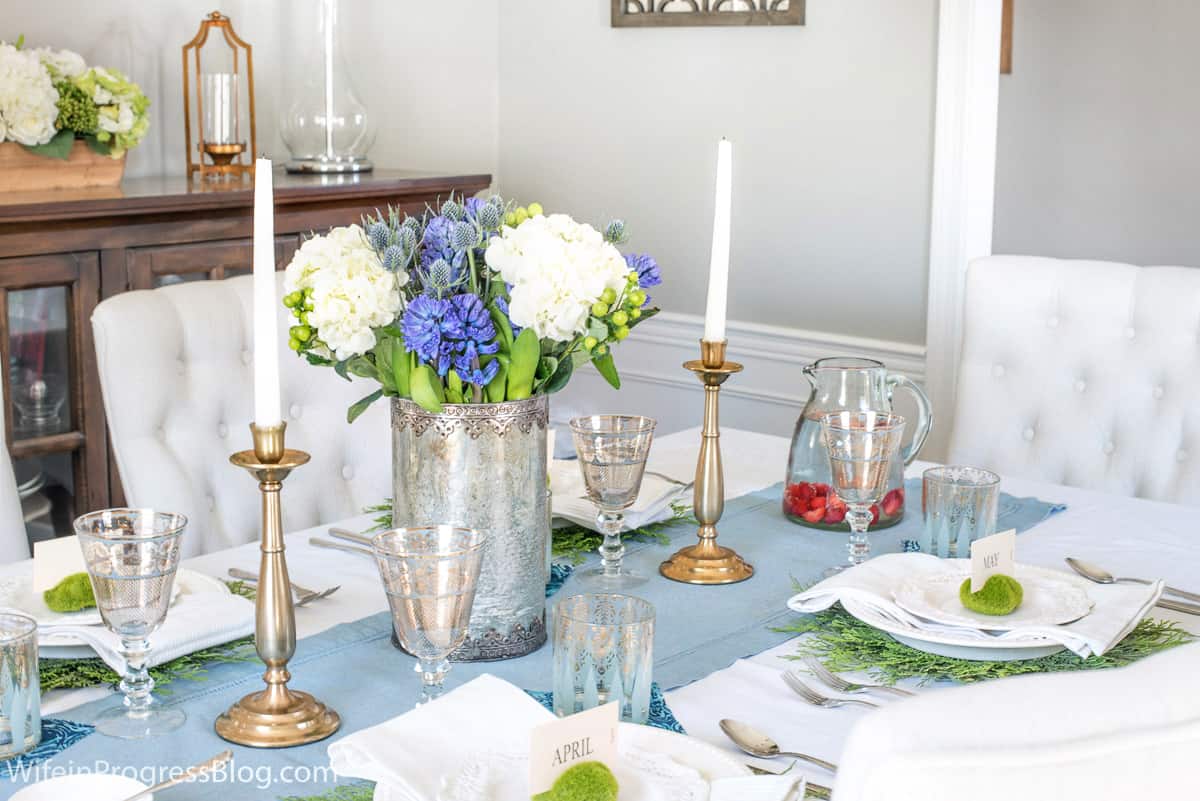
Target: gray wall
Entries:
(1097, 153)
(427, 71)
(833, 144)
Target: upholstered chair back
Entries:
(177, 373)
(14, 543)
(1083, 373)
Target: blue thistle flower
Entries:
(411, 224)
(437, 243)
(407, 239)
(453, 210)
(614, 232)
(439, 278)
(489, 217)
(464, 236)
(379, 235)
(394, 258)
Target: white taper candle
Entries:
(718, 274)
(267, 405)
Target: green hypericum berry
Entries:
(599, 309)
(635, 313)
(291, 299)
(76, 111)
(590, 342)
(600, 350)
(637, 297)
(609, 295)
(510, 219)
(301, 332)
(294, 344)
(535, 209)
(620, 332)
(620, 317)
(522, 215)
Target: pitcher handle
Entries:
(924, 413)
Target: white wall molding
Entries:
(766, 396)
(964, 178)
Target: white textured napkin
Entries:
(1118, 607)
(472, 744)
(204, 615)
(653, 503)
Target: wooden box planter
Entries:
(22, 171)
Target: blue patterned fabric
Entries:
(57, 736)
(558, 576)
(661, 716)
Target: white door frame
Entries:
(964, 180)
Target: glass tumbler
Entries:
(603, 652)
(20, 698)
(959, 505)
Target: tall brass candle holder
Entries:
(706, 562)
(276, 717)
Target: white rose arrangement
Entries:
(49, 98)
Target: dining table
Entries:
(741, 665)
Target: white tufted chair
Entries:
(177, 376)
(14, 542)
(1083, 373)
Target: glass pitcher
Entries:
(846, 383)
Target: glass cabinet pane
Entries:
(39, 361)
(46, 487)
(167, 279)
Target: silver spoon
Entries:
(1102, 576)
(189, 774)
(757, 744)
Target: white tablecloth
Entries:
(1140, 538)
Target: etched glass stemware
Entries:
(430, 574)
(131, 556)
(861, 446)
(612, 450)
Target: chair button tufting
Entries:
(998, 371)
(1130, 333)
(246, 357)
(222, 431)
(1108, 448)
(1052, 322)
(1028, 434)
(294, 411)
(347, 472)
(1157, 392)
(212, 502)
(1080, 385)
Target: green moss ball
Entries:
(587, 781)
(71, 594)
(1001, 595)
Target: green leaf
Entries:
(561, 376)
(103, 148)
(427, 389)
(362, 367)
(547, 366)
(503, 328)
(597, 329)
(393, 332)
(341, 369)
(454, 387)
(383, 366)
(317, 361)
(59, 146)
(608, 369)
(360, 406)
(402, 364)
(525, 354)
(495, 390)
(20, 41)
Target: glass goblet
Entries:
(430, 574)
(612, 450)
(861, 446)
(131, 556)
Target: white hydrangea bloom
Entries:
(352, 293)
(28, 99)
(61, 63)
(557, 268)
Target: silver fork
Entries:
(304, 596)
(836, 682)
(815, 698)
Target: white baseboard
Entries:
(766, 396)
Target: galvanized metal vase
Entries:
(484, 466)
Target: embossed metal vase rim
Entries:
(530, 404)
(474, 418)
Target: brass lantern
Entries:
(218, 88)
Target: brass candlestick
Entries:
(275, 717)
(706, 562)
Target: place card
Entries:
(992, 555)
(589, 736)
(54, 560)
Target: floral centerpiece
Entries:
(49, 98)
(476, 302)
(468, 317)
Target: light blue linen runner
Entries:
(354, 668)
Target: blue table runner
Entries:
(354, 668)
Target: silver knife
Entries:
(1179, 606)
(337, 546)
(350, 536)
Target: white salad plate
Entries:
(1049, 598)
(16, 593)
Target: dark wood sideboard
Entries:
(63, 252)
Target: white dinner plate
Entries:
(1050, 598)
(92, 786)
(16, 593)
(958, 646)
